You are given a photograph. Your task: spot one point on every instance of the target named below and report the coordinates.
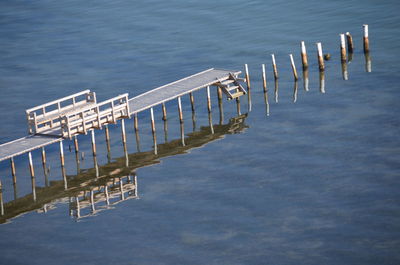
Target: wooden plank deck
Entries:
(25, 144)
(137, 104)
(178, 88)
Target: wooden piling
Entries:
(93, 143)
(320, 57)
(247, 75)
(108, 145)
(1, 200)
(13, 171)
(304, 58)
(31, 169)
(191, 100)
(153, 130)
(208, 99)
(165, 131)
(136, 122)
(220, 106)
(180, 110)
(366, 39)
(343, 55)
(295, 76)
(164, 111)
(62, 160)
(210, 122)
(276, 76)
(264, 78)
(350, 44)
(123, 133)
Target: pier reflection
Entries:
(96, 189)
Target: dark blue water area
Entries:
(314, 182)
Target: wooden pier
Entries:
(79, 113)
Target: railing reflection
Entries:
(95, 189)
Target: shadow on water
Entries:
(102, 186)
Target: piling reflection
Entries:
(305, 80)
(94, 190)
(276, 91)
(368, 63)
(295, 90)
(322, 81)
(345, 73)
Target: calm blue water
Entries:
(315, 182)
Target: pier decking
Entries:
(134, 105)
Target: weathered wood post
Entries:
(44, 164)
(191, 100)
(93, 143)
(123, 134)
(32, 171)
(136, 126)
(320, 57)
(78, 162)
(276, 76)
(180, 110)
(350, 44)
(265, 89)
(343, 56)
(153, 130)
(208, 99)
(366, 39)
(210, 122)
(62, 159)
(13, 171)
(1, 200)
(165, 131)
(220, 105)
(107, 135)
(164, 111)
(247, 76)
(295, 76)
(304, 58)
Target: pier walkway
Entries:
(90, 116)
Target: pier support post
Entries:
(180, 110)
(191, 100)
(182, 127)
(366, 39)
(220, 106)
(247, 76)
(44, 164)
(107, 135)
(208, 99)
(135, 122)
(123, 133)
(1, 200)
(321, 63)
(93, 143)
(164, 111)
(304, 58)
(293, 68)
(32, 171)
(276, 76)
(77, 160)
(13, 171)
(62, 160)
(153, 130)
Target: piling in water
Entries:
(1, 200)
(343, 56)
(32, 171)
(265, 89)
(135, 122)
(220, 106)
(208, 99)
(247, 75)
(164, 111)
(93, 143)
(62, 160)
(295, 76)
(180, 110)
(191, 101)
(13, 171)
(153, 130)
(366, 39)
(276, 76)
(320, 57)
(304, 58)
(350, 44)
